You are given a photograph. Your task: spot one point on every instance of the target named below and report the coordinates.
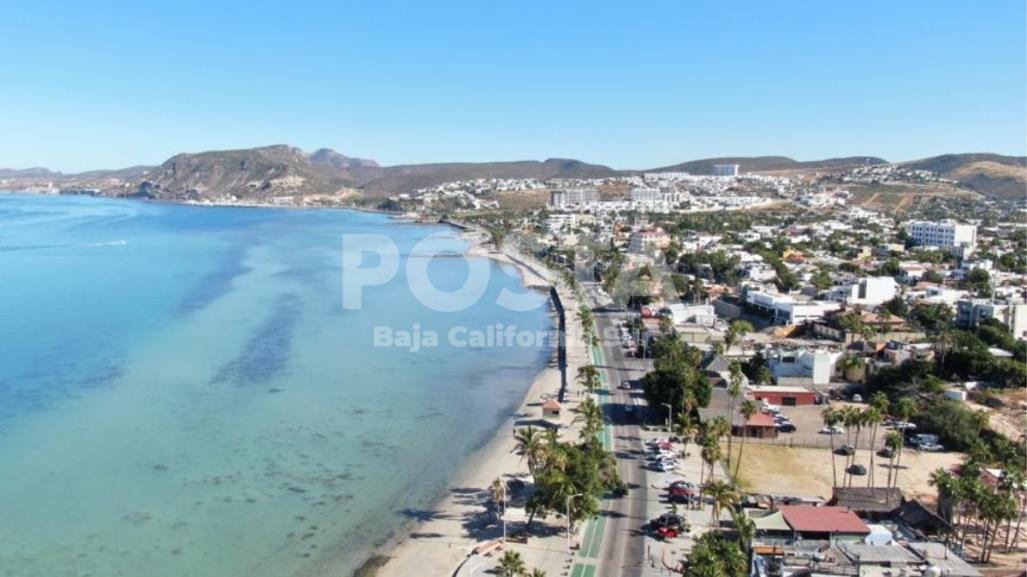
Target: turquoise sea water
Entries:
(182, 393)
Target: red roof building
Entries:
(823, 522)
(760, 426)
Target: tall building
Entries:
(947, 234)
(725, 170)
(643, 194)
(565, 197)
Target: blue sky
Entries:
(628, 84)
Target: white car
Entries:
(833, 430)
(663, 455)
(932, 447)
(665, 466)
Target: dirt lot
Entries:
(781, 470)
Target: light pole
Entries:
(670, 415)
(568, 501)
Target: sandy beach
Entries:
(446, 535)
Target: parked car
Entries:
(846, 450)
(681, 484)
(663, 454)
(657, 441)
(832, 430)
(625, 385)
(665, 466)
(786, 427)
(886, 452)
(858, 470)
(932, 447)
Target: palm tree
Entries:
(734, 390)
(529, 446)
(831, 418)
(853, 422)
(588, 377)
(511, 565)
(748, 409)
(905, 409)
(872, 417)
(736, 332)
(746, 529)
(723, 496)
(536, 572)
(591, 417)
(893, 441)
(686, 430)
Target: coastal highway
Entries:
(623, 550)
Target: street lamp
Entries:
(568, 501)
(670, 415)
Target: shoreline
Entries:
(449, 543)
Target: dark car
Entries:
(786, 428)
(886, 452)
(846, 450)
(858, 470)
(668, 526)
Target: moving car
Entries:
(668, 526)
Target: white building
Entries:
(816, 365)
(645, 241)
(692, 314)
(947, 234)
(725, 170)
(567, 197)
(645, 194)
(786, 310)
(970, 313)
(867, 291)
(559, 222)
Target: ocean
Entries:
(182, 392)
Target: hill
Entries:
(405, 178)
(994, 175)
(277, 170)
(748, 164)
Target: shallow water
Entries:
(182, 393)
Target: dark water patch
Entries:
(266, 354)
(216, 284)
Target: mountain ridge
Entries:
(280, 169)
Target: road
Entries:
(625, 550)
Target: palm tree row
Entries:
(856, 420)
(971, 504)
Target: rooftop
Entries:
(809, 519)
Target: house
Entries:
(824, 523)
(784, 396)
(759, 426)
(938, 555)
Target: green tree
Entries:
(715, 555)
(722, 496)
(511, 565)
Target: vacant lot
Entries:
(779, 470)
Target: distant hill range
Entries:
(993, 175)
(758, 164)
(282, 170)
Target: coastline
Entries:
(439, 545)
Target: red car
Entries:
(668, 526)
